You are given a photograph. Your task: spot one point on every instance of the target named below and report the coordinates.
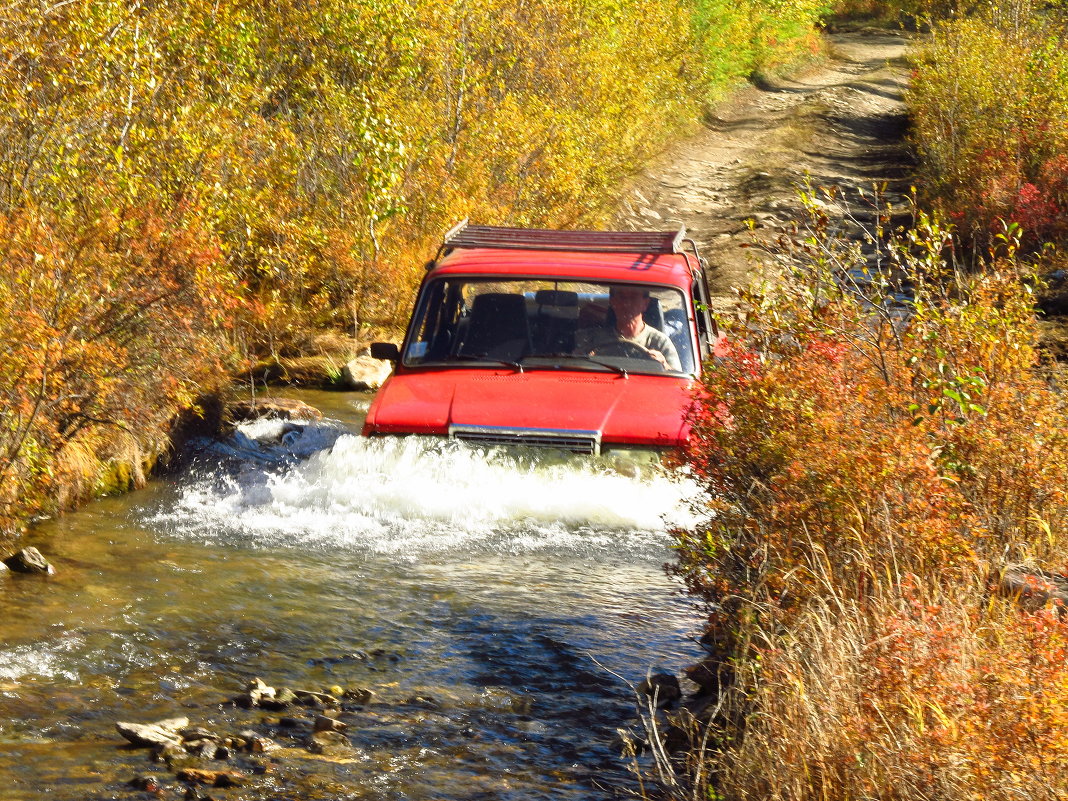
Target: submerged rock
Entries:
(255, 692)
(282, 699)
(29, 560)
(213, 778)
(149, 784)
(358, 695)
(198, 733)
(328, 743)
(313, 698)
(271, 408)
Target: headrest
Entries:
(556, 297)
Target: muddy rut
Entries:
(841, 124)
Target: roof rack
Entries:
(465, 235)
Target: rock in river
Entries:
(29, 560)
(365, 373)
(149, 735)
(272, 408)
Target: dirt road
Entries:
(840, 123)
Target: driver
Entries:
(629, 303)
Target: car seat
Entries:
(556, 318)
(497, 326)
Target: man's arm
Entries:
(659, 341)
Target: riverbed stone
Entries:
(148, 735)
(328, 743)
(145, 782)
(29, 560)
(255, 743)
(289, 722)
(314, 698)
(327, 723)
(283, 699)
(256, 692)
(205, 749)
(198, 733)
(213, 778)
(172, 755)
(358, 695)
(365, 373)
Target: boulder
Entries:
(150, 735)
(29, 560)
(663, 688)
(365, 373)
(272, 408)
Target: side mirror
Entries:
(387, 351)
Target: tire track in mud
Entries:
(841, 123)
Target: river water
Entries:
(497, 605)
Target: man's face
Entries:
(628, 302)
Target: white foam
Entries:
(39, 660)
(405, 494)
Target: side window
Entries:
(668, 311)
(438, 317)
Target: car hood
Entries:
(636, 409)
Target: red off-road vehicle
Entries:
(583, 341)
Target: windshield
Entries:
(539, 324)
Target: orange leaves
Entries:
(105, 322)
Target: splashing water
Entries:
(408, 495)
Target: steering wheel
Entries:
(625, 349)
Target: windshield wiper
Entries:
(476, 357)
(614, 367)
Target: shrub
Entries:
(988, 101)
(871, 466)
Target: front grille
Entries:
(562, 440)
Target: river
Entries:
(498, 607)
